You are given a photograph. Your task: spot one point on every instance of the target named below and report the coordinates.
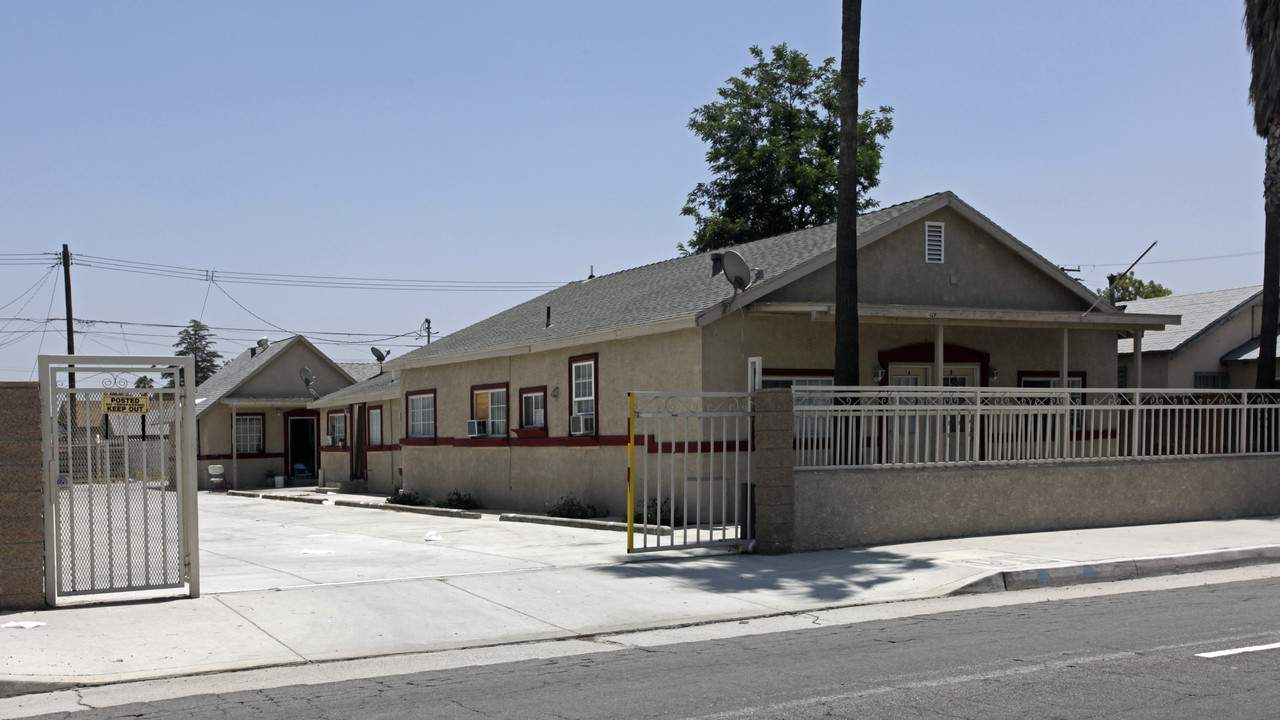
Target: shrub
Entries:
(403, 497)
(657, 517)
(570, 507)
(459, 501)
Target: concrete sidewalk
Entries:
(288, 583)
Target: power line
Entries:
(1179, 260)
(328, 282)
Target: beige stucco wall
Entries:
(529, 477)
(279, 378)
(844, 509)
(215, 445)
(1203, 355)
(978, 271)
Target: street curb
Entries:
(1128, 569)
(615, 525)
(370, 504)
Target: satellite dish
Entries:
(263, 343)
(381, 355)
(737, 271)
(309, 378)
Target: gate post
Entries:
(773, 469)
(22, 531)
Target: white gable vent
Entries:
(933, 245)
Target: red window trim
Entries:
(407, 415)
(595, 390)
(531, 432)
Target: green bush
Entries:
(459, 501)
(570, 507)
(403, 497)
(657, 517)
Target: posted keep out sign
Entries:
(126, 404)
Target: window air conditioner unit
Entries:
(477, 428)
(328, 441)
(582, 424)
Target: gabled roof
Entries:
(361, 371)
(1201, 314)
(244, 366)
(381, 386)
(679, 292)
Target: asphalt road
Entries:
(1128, 655)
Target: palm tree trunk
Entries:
(846, 349)
(1270, 263)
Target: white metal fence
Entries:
(690, 470)
(913, 426)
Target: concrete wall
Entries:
(21, 498)
(812, 510)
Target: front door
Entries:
(302, 448)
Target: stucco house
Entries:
(1215, 346)
(531, 404)
(370, 458)
(252, 416)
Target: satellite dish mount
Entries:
(736, 270)
(309, 378)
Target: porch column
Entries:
(1137, 358)
(1062, 373)
(234, 477)
(937, 355)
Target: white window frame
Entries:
(494, 413)
(535, 417)
(375, 426)
(336, 423)
(249, 436)
(581, 404)
(421, 411)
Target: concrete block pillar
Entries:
(773, 471)
(21, 498)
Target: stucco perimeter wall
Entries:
(843, 509)
(21, 498)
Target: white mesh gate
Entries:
(689, 481)
(120, 504)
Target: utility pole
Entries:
(71, 335)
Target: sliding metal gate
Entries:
(120, 504)
(689, 481)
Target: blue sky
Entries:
(517, 142)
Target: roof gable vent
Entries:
(933, 242)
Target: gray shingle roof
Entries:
(387, 382)
(236, 371)
(666, 290)
(1200, 313)
(361, 371)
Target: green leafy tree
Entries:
(196, 340)
(144, 381)
(1129, 287)
(1262, 35)
(774, 138)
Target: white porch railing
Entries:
(921, 427)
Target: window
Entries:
(248, 434)
(422, 414)
(582, 407)
(933, 242)
(338, 428)
(489, 411)
(1210, 381)
(375, 426)
(1122, 376)
(533, 408)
